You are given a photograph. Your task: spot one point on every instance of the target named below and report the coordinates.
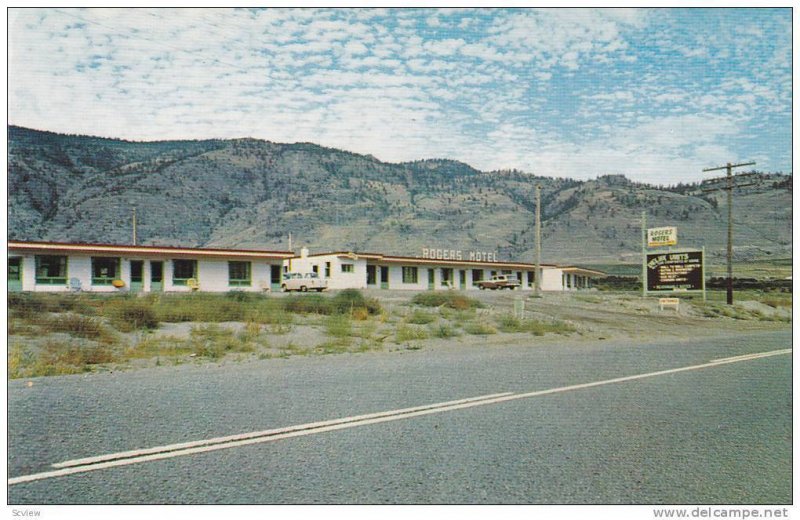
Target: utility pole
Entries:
(538, 278)
(729, 188)
(644, 254)
(134, 225)
(290, 243)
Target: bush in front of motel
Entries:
(450, 299)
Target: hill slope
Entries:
(252, 193)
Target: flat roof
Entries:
(395, 259)
(152, 250)
(583, 271)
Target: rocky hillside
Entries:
(252, 193)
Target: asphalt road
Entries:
(718, 434)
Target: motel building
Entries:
(53, 267)
(436, 269)
(59, 267)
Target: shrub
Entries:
(451, 299)
(479, 328)
(309, 304)
(198, 307)
(75, 354)
(77, 325)
(443, 331)
(269, 314)
(409, 332)
(360, 314)
(214, 341)
(509, 323)
(29, 304)
(244, 296)
(421, 317)
(348, 300)
(130, 315)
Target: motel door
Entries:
(371, 274)
(137, 275)
(384, 277)
(462, 279)
(275, 277)
(15, 274)
(156, 276)
(431, 279)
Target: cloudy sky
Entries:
(653, 94)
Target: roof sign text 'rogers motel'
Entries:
(453, 254)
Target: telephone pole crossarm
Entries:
(727, 166)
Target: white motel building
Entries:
(52, 267)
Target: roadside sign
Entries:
(675, 271)
(662, 236)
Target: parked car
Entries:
(303, 282)
(499, 282)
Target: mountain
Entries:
(251, 193)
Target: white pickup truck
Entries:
(303, 282)
(500, 282)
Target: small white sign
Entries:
(662, 236)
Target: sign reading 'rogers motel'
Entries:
(663, 236)
(453, 254)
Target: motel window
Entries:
(327, 269)
(315, 269)
(410, 275)
(477, 275)
(183, 270)
(494, 273)
(14, 269)
(239, 274)
(347, 268)
(104, 270)
(51, 269)
(531, 279)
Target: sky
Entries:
(654, 94)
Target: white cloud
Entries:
(510, 91)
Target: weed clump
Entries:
(349, 300)
(409, 333)
(419, 317)
(129, 315)
(444, 331)
(479, 328)
(451, 299)
(212, 308)
(76, 325)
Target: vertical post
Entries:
(538, 277)
(730, 234)
(729, 186)
(134, 225)
(644, 254)
(703, 271)
(290, 243)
